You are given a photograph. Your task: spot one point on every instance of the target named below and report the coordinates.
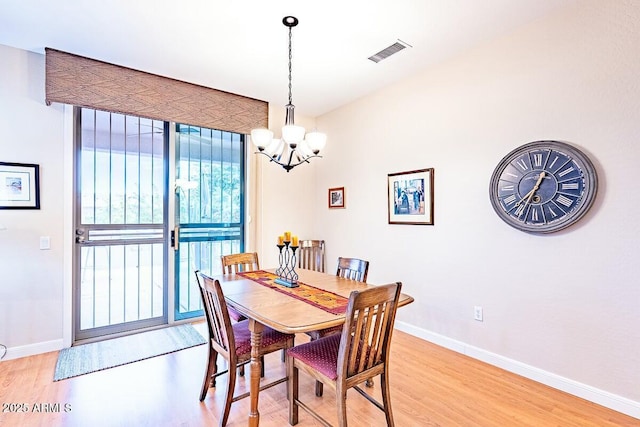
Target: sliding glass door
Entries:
(209, 207)
(121, 223)
(123, 242)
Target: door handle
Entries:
(80, 237)
(175, 236)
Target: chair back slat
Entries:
(366, 361)
(217, 315)
(353, 268)
(366, 335)
(311, 255)
(382, 324)
(354, 354)
(376, 346)
(234, 263)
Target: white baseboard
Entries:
(33, 349)
(584, 391)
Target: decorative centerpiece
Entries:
(287, 246)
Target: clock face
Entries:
(543, 186)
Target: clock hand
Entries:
(529, 195)
(526, 196)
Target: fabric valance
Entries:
(85, 82)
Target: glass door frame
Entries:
(185, 234)
(100, 332)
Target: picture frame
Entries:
(19, 186)
(336, 197)
(410, 197)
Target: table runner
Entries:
(325, 300)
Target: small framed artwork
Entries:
(410, 196)
(336, 197)
(19, 186)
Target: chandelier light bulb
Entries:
(292, 135)
(316, 141)
(273, 146)
(261, 137)
(303, 149)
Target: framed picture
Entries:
(410, 196)
(336, 197)
(19, 186)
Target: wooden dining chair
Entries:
(245, 261)
(350, 268)
(311, 255)
(232, 342)
(353, 268)
(343, 361)
(233, 263)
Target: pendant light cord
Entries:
(290, 59)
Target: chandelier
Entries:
(294, 147)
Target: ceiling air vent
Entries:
(388, 51)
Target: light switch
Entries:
(45, 242)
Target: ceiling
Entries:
(240, 46)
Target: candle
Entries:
(287, 236)
(294, 241)
(281, 240)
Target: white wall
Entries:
(562, 307)
(31, 280)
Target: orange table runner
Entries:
(325, 300)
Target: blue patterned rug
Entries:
(86, 358)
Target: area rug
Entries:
(86, 358)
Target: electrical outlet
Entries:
(477, 313)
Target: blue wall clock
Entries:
(543, 186)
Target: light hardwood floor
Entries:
(430, 386)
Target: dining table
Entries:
(318, 302)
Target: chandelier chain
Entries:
(290, 58)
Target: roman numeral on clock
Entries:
(566, 171)
(563, 200)
(522, 164)
(569, 186)
(537, 160)
(510, 199)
